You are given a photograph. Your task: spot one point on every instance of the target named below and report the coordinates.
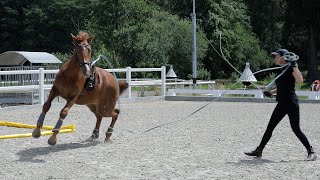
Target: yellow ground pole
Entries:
(19, 125)
(30, 134)
(63, 129)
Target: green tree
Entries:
(239, 44)
(12, 24)
(267, 20)
(228, 18)
(302, 29)
(143, 35)
(41, 25)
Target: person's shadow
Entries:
(30, 155)
(257, 161)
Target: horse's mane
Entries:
(82, 36)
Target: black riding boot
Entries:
(256, 153)
(311, 155)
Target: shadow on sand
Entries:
(30, 155)
(256, 161)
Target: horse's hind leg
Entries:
(95, 133)
(115, 114)
(37, 131)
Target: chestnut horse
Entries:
(80, 83)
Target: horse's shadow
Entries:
(30, 155)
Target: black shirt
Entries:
(286, 86)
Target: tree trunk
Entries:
(313, 72)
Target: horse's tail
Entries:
(122, 86)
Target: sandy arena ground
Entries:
(206, 145)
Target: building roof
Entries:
(15, 58)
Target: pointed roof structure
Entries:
(247, 75)
(171, 73)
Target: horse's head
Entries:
(82, 43)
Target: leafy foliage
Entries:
(239, 44)
(40, 25)
(145, 36)
(153, 33)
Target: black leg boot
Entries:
(311, 155)
(256, 153)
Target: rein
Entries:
(85, 63)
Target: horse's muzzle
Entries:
(86, 70)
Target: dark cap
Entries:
(280, 52)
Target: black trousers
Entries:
(282, 109)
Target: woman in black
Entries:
(287, 104)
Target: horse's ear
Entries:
(90, 39)
(74, 39)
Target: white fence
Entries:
(311, 95)
(41, 86)
(215, 93)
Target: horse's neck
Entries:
(72, 67)
(73, 64)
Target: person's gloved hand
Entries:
(293, 63)
(267, 94)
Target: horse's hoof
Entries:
(52, 140)
(90, 139)
(36, 133)
(95, 136)
(108, 140)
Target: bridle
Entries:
(89, 71)
(83, 48)
(85, 66)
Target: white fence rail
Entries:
(215, 93)
(41, 87)
(311, 95)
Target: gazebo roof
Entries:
(171, 73)
(15, 58)
(247, 75)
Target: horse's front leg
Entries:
(115, 114)
(37, 131)
(64, 112)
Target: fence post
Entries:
(171, 92)
(128, 79)
(163, 82)
(41, 85)
(258, 94)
